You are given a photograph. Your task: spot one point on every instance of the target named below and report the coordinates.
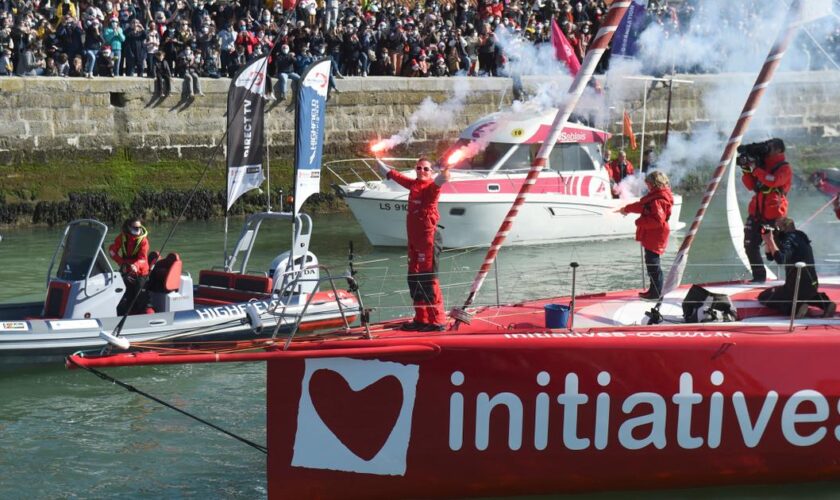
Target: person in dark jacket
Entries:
(163, 75)
(285, 64)
(652, 229)
(135, 49)
(787, 245)
(93, 44)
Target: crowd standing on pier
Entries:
(213, 38)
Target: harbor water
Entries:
(68, 434)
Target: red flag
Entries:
(563, 49)
(628, 131)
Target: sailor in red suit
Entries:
(652, 227)
(424, 243)
(131, 251)
(768, 175)
(617, 170)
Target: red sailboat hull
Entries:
(486, 415)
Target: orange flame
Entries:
(455, 157)
(376, 147)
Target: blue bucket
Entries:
(556, 316)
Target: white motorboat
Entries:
(571, 200)
(83, 290)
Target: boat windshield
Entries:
(81, 248)
(486, 159)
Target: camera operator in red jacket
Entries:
(768, 175)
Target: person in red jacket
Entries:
(837, 206)
(424, 243)
(769, 177)
(618, 169)
(652, 229)
(130, 251)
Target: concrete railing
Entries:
(42, 119)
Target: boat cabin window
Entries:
(484, 160)
(571, 157)
(80, 249)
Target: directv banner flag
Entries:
(628, 31)
(310, 118)
(245, 143)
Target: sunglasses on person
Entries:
(423, 169)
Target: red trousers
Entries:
(424, 246)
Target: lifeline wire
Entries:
(131, 388)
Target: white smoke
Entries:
(431, 115)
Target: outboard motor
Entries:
(304, 270)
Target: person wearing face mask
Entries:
(246, 39)
(115, 37)
(135, 49)
(130, 251)
(188, 70)
(227, 48)
(424, 243)
(652, 229)
(285, 72)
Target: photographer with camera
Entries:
(768, 175)
(786, 246)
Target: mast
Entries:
(593, 55)
(774, 58)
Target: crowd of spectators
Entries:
(212, 38)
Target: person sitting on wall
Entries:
(787, 245)
(130, 251)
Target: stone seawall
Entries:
(47, 119)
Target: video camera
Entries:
(752, 153)
(768, 228)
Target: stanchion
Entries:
(799, 267)
(642, 257)
(574, 266)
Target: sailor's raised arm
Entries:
(384, 168)
(442, 177)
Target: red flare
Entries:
(377, 147)
(455, 157)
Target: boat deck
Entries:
(625, 309)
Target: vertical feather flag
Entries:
(310, 120)
(246, 137)
(563, 49)
(628, 131)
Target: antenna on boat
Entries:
(593, 56)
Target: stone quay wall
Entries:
(47, 119)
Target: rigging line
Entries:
(827, 56)
(119, 327)
(131, 388)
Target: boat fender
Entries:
(120, 342)
(253, 318)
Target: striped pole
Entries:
(593, 55)
(774, 58)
